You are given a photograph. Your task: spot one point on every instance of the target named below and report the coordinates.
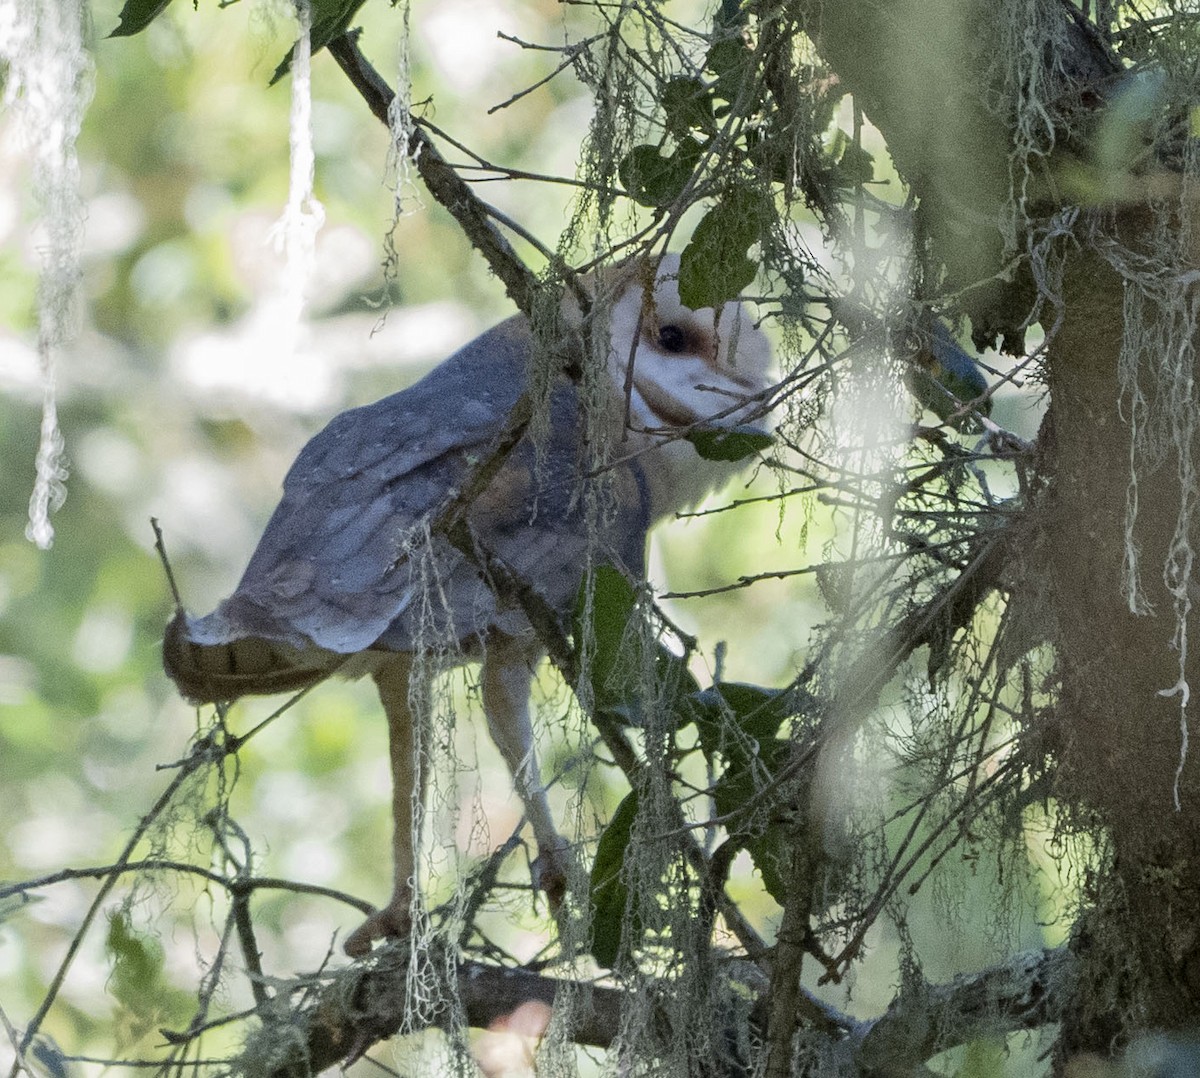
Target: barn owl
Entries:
(351, 576)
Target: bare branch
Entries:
(1025, 992)
(207, 750)
(444, 184)
(364, 1004)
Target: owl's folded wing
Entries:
(347, 558)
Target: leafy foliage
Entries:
(614, 920)
(146, 999)
(714, 267)
(136, 15)
(737, 728)
(654, 180)
(731, 445)
(329, 20)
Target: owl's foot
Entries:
(551, 871)
(392, 921)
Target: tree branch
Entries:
(362, 1005)
(904, 63)
(1024, 992)
(443, 183)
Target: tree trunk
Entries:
(1120, 740)
(920, 72)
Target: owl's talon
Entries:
(393, 921)
(551, 871)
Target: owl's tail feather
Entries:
(249, 666)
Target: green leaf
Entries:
(615, 663)
(137, 963)
(747, 772)
(145, 997)
(330, 19)
(608, 891)
(654, 180)
(745, 775)
(738, 726)
(731, 61)
(771, 152)
(713, 268)
(770, 852)
(856, 166)
(645, 174)
(136, 15)
(757, 711)
(710, 277)
(849, 164)
(612, 603)
(688, 106)
(734, 443)
(730, 15)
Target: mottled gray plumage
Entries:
(344, 557)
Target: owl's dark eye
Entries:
(672, 339)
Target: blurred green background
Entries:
(177, 401)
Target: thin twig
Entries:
(160, 546)
(572, 52)
(251, 955)
(206, 751)
(253, 883)
(442, 182)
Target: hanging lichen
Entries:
(46, 90)
(295, 233)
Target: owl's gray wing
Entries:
(334, 561)
(346, 561)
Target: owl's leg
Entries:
(507, 678)
(408, 789)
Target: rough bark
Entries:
(914, 69)
(342, 1017)
(1120, 740)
